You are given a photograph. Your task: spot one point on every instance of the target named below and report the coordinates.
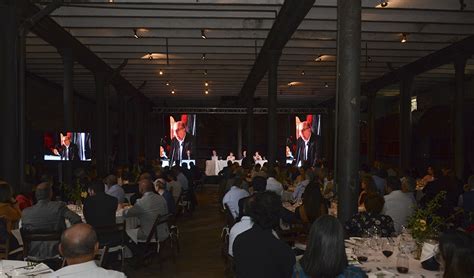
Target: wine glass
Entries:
(402, 263)
(387, 247)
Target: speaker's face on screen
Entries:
(306, 131)
(180, 130)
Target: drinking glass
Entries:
(402, 263)
(387, 248)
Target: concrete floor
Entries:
(200, 242)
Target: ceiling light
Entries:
(203, 34)
(203, 57)
(404, 38)
(206, 91)
(167, 83)
(326, 85)
(383, 3)
(206, 83)
(205, 72)
(369, 59)
(135, 33)
(150, 56)
(302, 72)
(172, 92)
(161, 72)
(319, 58)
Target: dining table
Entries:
(16, 268)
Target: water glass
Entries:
(402, 263)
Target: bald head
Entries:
(43, 191)
(145, 186)
(79, 242)
(110, 180)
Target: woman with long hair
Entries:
(367, 187)
(325, 255)
(457, 254)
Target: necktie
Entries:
(180, 151)
(306, 151)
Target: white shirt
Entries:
(231, 158)
(88, 269)
(274, 185)
(399, 206)
(232, 197)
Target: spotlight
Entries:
(150, 56)
(326, 85)
(206, 83)
(135, 33)
(161, 72)
(302, 72)
(369, 59)
(404, 38)
(203, 57)
(205, 72)
(172, 92)
(384, 3)
(203, 34)
(167, 83)
(206, 91)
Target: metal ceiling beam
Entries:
(235, 110)
(434, 60)
(289, 18)
(58, 37)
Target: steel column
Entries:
(100, 132)
(239, 138)
(122, 131)
(459, 160)
(250, 129)
(68, 88)
(371, 97)
(273, 58)
(348, 106)
(406, 87)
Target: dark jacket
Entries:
(313, 150)
(99, 210)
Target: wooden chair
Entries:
(117, 232)
(48, 236)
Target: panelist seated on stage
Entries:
(230, 157)
(214, 155)
(257, 156)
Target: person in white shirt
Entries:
(230, 157)
(232, 197)
(214, 155)
(79, 245)
(272, 183)
(398, 205)
(257, 156)
(173, 186)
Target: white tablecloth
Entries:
(213, 167)
(17, 267)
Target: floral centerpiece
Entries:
(75, 192)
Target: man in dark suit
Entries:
(69, 150)
(180, 144)
(307, 146)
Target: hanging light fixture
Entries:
(326, 85)
(161, 72)
(383, 3)
(135, 34)
(203, 34)
(206, 91)
(404, 38)
(206, 83)
(203, 57)
(167, 83)
(302, 72)
(205, 72)
(172, 92)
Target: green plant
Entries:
(425, 223)
(74, 192)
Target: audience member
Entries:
(257, 252)
(379, 180)
(10, 212)
(457, 254)
(99, 208)
(398, 205)
(49, 216)
(313, 204)
(114, 189)
(362, 222)
(325, 254)
(79, 245)
(272, 183)
(173, 186)
(466, 202)
(301, 186)
(259, 184)
(181, 178)
(232, 197)
(368, 187)
(160, 188)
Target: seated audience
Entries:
(257, 252)
(325, 254)
(10, 212)
(301, 186)
(398, 205)
(99, 208)
(114, 189)
(160, 188)
(272, 183)
(181, 178)
(147, 209)
(457, 254)
(379, 180)
(313, 204)
(429, 177)
(46, 216)
(368, 187)
(79, 245)
(466, 202)
(363, 222)
(230, 157)
(173, 186)
(25, 199)
(232, 197)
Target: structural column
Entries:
(100, 132)
(250, 129)
(138, 140)
(348, 106)
(273, 58)
(122, 130)
(239, 138)
(9, 105)
(406, 87)
(68, 88)
(371, 97)
(459, 160)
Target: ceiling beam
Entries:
(288, 19)
(58, 37)
(432, 61)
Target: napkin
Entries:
(37, 269)
(428, 256)
(382, 273)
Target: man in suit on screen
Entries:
(307, 145)
(182, 142)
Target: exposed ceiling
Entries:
(235, 30)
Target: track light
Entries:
(206, 83)
(369, 59)
(203, 34)
(203, 57)
(205, 72)
(384, 3)
(206, 91)
(326, 85)
(161, 72)
(167, 83)
(404, 38)
(135, 33)
(172, 92)
(302, 72)
(150, 56)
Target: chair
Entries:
(116, 234)
(152, 246)
(184, 203)
(48, 236)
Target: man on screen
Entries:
(67, 150)
(307, 145)
(181, 142)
